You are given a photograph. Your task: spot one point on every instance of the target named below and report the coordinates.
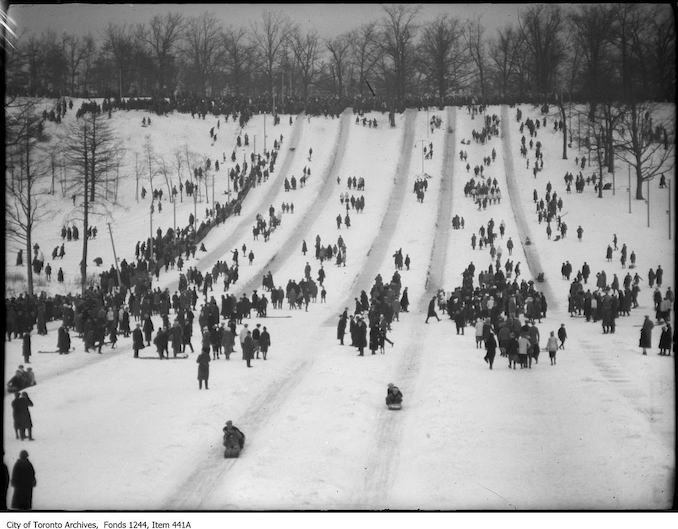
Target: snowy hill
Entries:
(596, 431)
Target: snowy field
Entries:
(597, 431)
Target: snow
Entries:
(594, 432)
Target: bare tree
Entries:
(178, 164)
(239, 56)
(398, 33)
(365, 52)
(164, 170)
(162, 37)
(89, 53)
(505, 52)
(22, 206)
(305, 50)
(475, 44)
(204, 50)
(75, 53)
(443, 59)
(119, 45)
(91, 151)
(268, 37)
(590, 26)
(540, 27)
(339, 48)
(636, 145)
(149, 160)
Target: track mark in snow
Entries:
(244, 226)
(384, 459)
(293, 243)
(436, 268)
(200, 484)
(382, 243)
(616, 376)
(531, 252)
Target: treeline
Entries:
(586, 52)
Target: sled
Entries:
(232, 446)
(233, 452)
(56, 351)
(394, 406)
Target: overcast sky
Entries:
(328, 19)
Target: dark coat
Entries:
(265, 341)
(228, 341)
(646, 334)
(203, 362)
(22, 415)
(5, 487)
(26, 348)
(23, 481)
(248, 348)
(490, 344)
(137, 339)
(665, 338)
(341, 327)
(431, 308)
(63, 340)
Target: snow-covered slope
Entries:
(594, 432)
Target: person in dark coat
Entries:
(490, 348)
(646, 335)
(404, 300)
(264, 342)
(148, 329)
(161, 340)
(63, 340)
(562, 336)
(432, 310)
(228, 341)
(26, 347)
(177, 337)
(361, 336)
(374, 338)
(665, 340)
(23, 416)
(341, 326)
(137, 340)
(203, 362)
(23, 481)
(113, 336)
(248, 348)
(15, 414)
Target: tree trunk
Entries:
(85, 225)
(639, 180)
(29, 260)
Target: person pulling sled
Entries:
(394, 398)
(234, 440)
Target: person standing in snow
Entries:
(203, 362)
(341, 326)
(646, 334)
(248, 348)
(137, 340)
(23, 481)
(264, 342)
(26, 347)
(552, 347)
